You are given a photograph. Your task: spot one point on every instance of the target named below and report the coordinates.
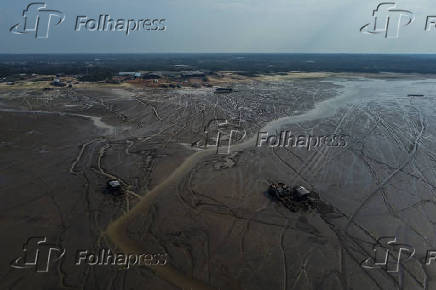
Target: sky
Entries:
(233, 26)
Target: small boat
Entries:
(113, 187)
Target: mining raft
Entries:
(113, 187)
(223, 90)
(295, 198)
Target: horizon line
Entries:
(181, 53)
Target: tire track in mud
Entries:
(117, 231)
(392, 175)
(419, 132)
(111, 176)
(79, 156)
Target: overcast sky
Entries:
(222, 26)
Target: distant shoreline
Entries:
(246, 63)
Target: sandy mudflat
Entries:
(209, 211)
